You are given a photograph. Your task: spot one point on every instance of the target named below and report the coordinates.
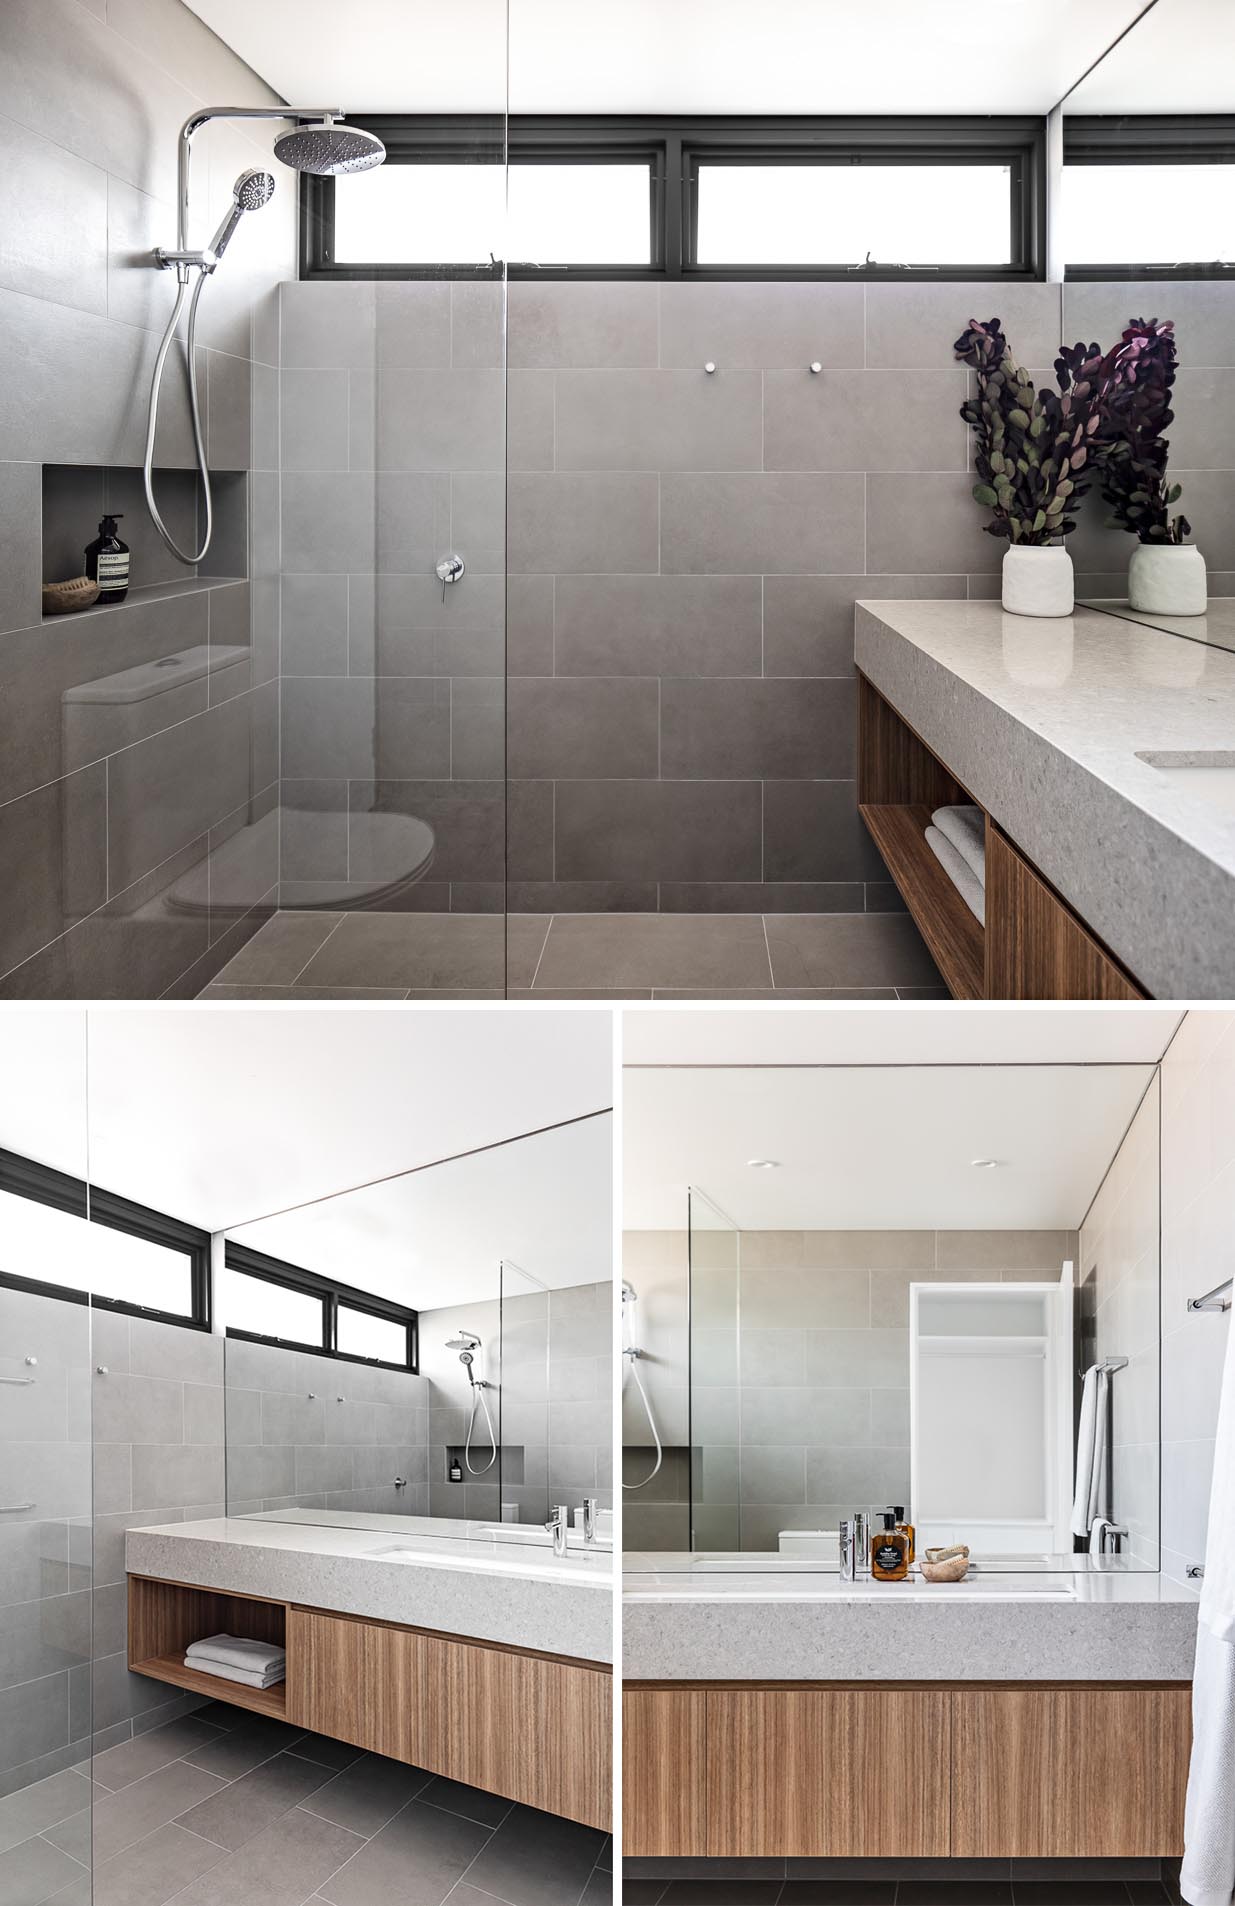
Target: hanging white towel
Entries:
(1090, 1500)
(1208, 1875)
(965, 827)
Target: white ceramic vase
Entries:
(1167, 579)
(1038, 581)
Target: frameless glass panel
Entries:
(267, 1310)
(839, 215)
(529, 1481)
(360, 1334)
(715, 1417)
(1148, 214)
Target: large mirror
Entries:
(1148, 233)
(434, 1349)
(930, 1288)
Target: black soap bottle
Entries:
(456, 1470)
(107, 562)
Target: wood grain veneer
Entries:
(164, 1617)
(664, 1784)
(1036, 947)
(953, 936)
(895, 766)
(1076, 1773)
(828, 1773)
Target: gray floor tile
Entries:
(149, 1872)
(1130, 1869)
(217, 991)
(133, 1760)
(250, 1804)
(654, 950)
(784, 992)
(1150, 1893)
(368, 1794)
(835, 1869)
(536, 1859)
(848, 949)
(121, 1818)
(695, 1868)
(44, 1804)
(326, 1753)
(415, 1860)
(281, 1866)
(33, 1870)
(599, 1889)
(1070, 1893)
(605, 1858)
(838, 1892)
(943, 1892)
(279, 950)
(237, 1752)
(722, 1893)
(643, 1892)
(486, 1809)
(222, 1714)
(429, 951)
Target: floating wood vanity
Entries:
(530, 1726)
(1033, 945)
(911, 1770)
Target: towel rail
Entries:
(1109, 1365)
(1216, 1299)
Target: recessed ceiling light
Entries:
(984, 1164)
(764, 1164)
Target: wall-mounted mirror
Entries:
(434, 1348)
(1148, 233)
(930, 1288)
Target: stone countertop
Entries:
(679, 1626)
(1043, 720)
(490, 1591)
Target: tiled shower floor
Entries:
(225, 1808)
(582, 955)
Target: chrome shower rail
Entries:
(1216, 1299)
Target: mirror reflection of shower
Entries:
(469, 1346)
(631, 1353)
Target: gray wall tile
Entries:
(659, 420)
(582, 326)
(849, 420)
(585, 522)
(914, 327)
(659, 625)
(942, 533)
(764, 326)
(569, 728)
(788, 730)
(792, 524)
(658, 830)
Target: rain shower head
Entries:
(466, 1340)
(327, 149)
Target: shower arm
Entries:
(301, 115)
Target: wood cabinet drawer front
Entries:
(828, 1773)
(357, 1682)
(1036, 948)
(664, 1795)
(1069, 1773)
(535, 1730)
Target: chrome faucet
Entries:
(848, 1550)
(590, 1505)
(861, 1540)
(558, 1526)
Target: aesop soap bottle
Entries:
(889, 1551)
(906, 1528)
(107, 562)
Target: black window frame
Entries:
(675, 148)
(276, 1270)
(1148, 139)
(26, 1178)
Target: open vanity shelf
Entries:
(532, 1727)
(1033, 945)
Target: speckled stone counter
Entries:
(521, 1597)
(799, 1628)
(1043, 721)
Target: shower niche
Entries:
(77, 496)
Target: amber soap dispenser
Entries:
(906, 1528)
(889, 1551)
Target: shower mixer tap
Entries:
(450, 569)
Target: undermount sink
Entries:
(1209, 773)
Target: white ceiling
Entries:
(683, 56)
(876, 1148)
(1180, 58)
(439, 1237)
(222, 1114)
(870, 1035)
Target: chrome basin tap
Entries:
(558, 1526)
(590, 1505)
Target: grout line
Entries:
(541, 955)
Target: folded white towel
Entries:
(1208, 1875)
(959, 872)
(247, 1677)
(1090, 1503)
(237, 1652)
(965, 827)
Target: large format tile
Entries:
(428, 951)
(658, 420)
(281, 1866)
(914, 326)
(766, 326)
(580, 326)
(537, 1859)
(118, 1819)
(236, 1812)
(368, 1794)
(601, 727)
(53, 862)
(278, 954)
(579, 522)
(657, 830)
(643, 950)
(416, 1860)
(808, 621)
(812, 831)
(149, 1872)
(756, 729)
(780, 522)
(43, 1804)
(848, 950)
(35, 1870)
(659, 625)
(859, 420)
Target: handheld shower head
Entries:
(328, 149)
(251, 191)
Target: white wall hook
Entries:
(710, 368)
(815, 368)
